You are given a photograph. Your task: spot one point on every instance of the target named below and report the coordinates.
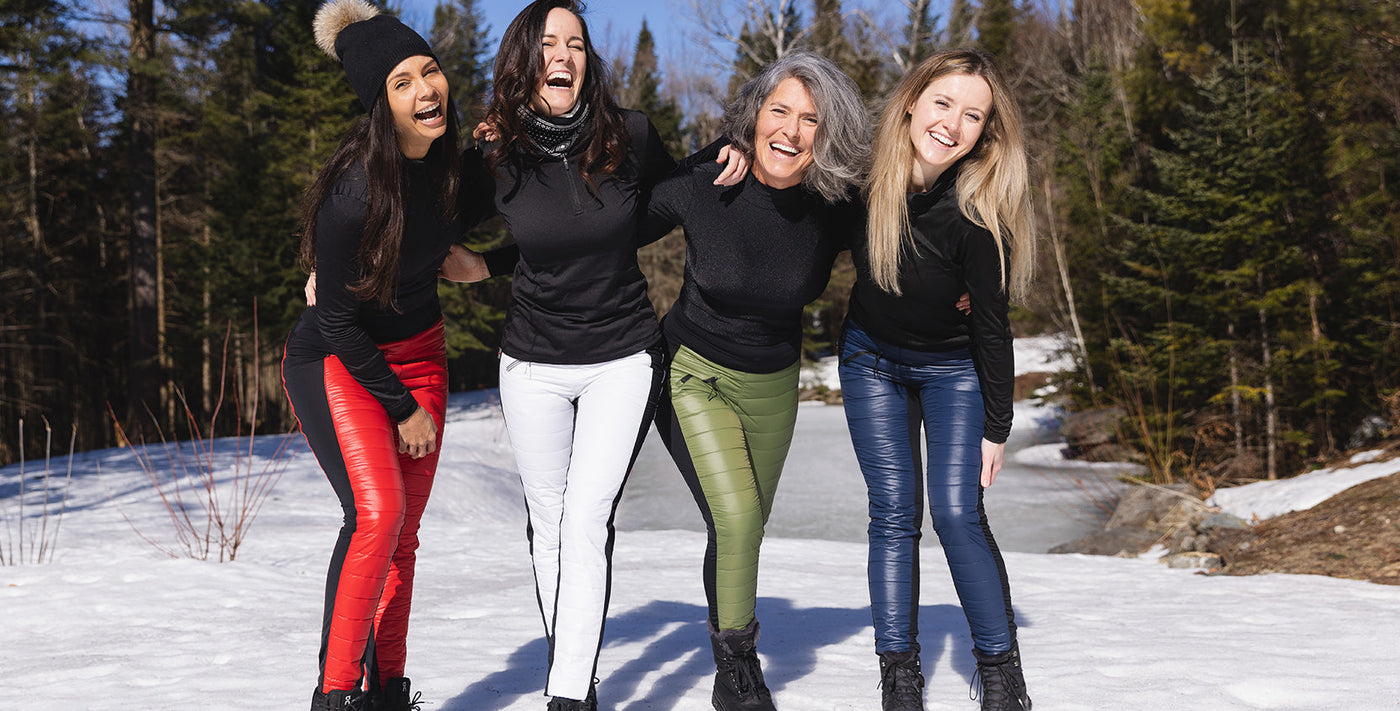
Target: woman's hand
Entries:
(485, 132)
(991, 461)
(964, 303)
(464, 266)
(310, 289)
(737, 166)
(418, 435)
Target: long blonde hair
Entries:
(993, 179)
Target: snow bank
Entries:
(1266, 499)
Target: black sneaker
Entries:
(738, 675)
(901, 681)
(394, 696)
(1002, 686)
(338, 701)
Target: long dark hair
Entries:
(373, 142)
(519, 66)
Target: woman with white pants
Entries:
(581, 361)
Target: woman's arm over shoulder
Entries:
(476, 193)
(654, 160)
(668, 204)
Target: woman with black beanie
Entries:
(365, 367)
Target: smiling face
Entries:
(945, 123)
(784, 134)
(565, 61)
(417, 93)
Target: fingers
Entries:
(310, 289)
(736, 166)
(418, 435)
(992, 454)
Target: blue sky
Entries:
(610, 22)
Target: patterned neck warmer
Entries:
(555, 136)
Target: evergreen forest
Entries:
(1215, 185)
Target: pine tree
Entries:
(996, 23)
(644, 89)
(61, 250)
(959, 30)
(1211, 270)
(461, 39)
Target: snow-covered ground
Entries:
(113, 623)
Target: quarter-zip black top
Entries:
(579, 296)
(949, 255)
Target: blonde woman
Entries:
(948, 212)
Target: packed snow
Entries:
(1267, 499)
(112, 622)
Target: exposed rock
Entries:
(1221, 520)
(1124, 542)
(1087, 429)
(1149, 507)
(1193, 559)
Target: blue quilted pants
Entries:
(889, 392)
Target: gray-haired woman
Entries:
(756, 254)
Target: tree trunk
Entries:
(1236, 402)
(206, 352)
(143, 377)
(1321, 360)
(1061, 263)
(1270, 407)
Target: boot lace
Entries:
(996, 685)
(748, 676)
(902, 686)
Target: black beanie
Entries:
(368, 45)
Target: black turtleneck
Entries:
(755, 256)
(949, 255)
(342, 325)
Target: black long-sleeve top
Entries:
(579, 296)
(340, 323)
(950, 255)
(755, 256)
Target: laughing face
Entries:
(565, 60)
(783, 135)
(945, 123)
(417, 92)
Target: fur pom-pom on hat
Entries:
(335, 16)
(368, 44)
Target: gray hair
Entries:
(841, 152)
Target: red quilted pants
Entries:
(369, 587)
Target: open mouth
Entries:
(559, 80)
(432, 113)
(942, 139)
(785, 148)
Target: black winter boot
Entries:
(338, 701)
(1003, 688)
(394, 696)
(738, 677)
(590, 703)
(901, 681)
